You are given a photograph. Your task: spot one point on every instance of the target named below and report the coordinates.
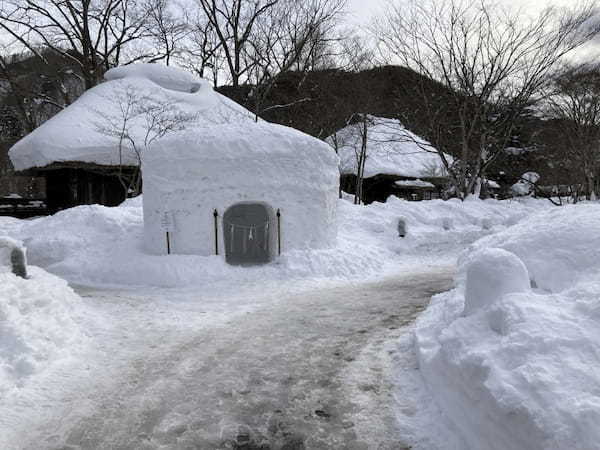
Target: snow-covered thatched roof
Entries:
(146, 101)
(391, 150)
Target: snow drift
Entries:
(37, 325)
(513, 366)
(104, 246)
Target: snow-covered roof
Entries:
(391, 150)
(526, 183)
(139, 94)
(418, 183)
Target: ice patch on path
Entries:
(522, 370)
(37, 325)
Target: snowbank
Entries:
(557, 245)
(391, 150)
(522, 369)
(104, 246)
(37, 325)
(132, 97)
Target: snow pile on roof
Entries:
(104, 246)
(516, 366)
(166, 77)
(37, 325)
(132, 97)
(418, 183)
(391, 150)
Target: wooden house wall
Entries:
(379, 187)
(70, 187)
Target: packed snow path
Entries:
(279, 376)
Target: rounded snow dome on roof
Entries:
(166, 77)
(246, 172)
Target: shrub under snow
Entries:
(522, 369)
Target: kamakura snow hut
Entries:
(245, 190)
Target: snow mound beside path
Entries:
(522, 369)
(558, 245)
(37, 325)
(491, 274)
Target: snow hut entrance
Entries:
(247, 234)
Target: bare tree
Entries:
(92, 34)
(353, 53)
(574, 103)
(141, 119)
(167, 30)
(481, 68)
(234, 23)
(290, 37)
(36, 89)
(355, 137)
(202, 52)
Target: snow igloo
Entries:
(245, 190)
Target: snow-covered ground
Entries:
(143, 301)
(512, 354)
(97, 245)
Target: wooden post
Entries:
(216, 216)
(168, 244)
(278, 232)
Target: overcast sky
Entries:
(361, 10)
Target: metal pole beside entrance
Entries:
(216, 216)
(278, 232)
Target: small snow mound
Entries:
(165, 76)
(492, 273)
